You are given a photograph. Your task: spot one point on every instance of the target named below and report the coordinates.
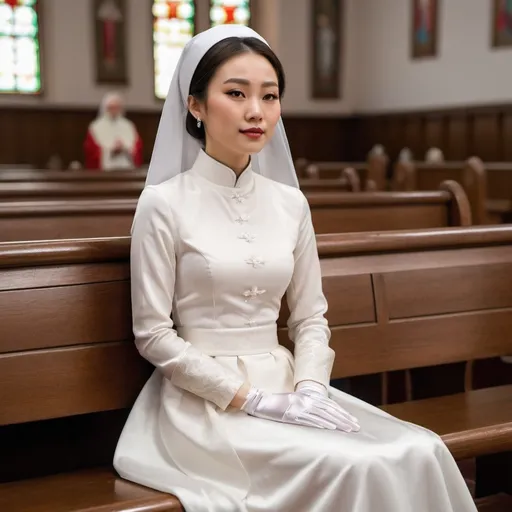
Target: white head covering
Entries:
(175, 150)
(107, 99)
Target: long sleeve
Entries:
(307, 325)
(92, 152)
(153, 276)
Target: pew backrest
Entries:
(401, 300)
(471, 174)
(331, 212)
(373, 211)
(372, 174)
(21, 176)
(56, 220)
(48, 190)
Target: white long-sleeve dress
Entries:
(221, 253)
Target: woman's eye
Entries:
(271, 97)
(235, 94)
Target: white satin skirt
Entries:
(227, 461)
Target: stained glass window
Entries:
(19, 47)
(223, 12)
(173, 27)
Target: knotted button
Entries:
(248, 237)
(242, 219)
(253, 293)
(255, 262)
(238, 198)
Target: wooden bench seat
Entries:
(97, 490)
(475, 423)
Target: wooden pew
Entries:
(375, 211)
(331, 212)
(67, 190)
(69, 371)
(428, 298)
(348, 181)
(16, 167)
(123, 187)
(23, 176)
(53, 220)
(372, 173)
(471, 174)
(499, 192)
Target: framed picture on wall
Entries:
(110, 41)
(502, 23)
(326, 21)
(424, 28)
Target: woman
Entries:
(230, 420)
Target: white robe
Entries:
(222, 253)
(105, 132)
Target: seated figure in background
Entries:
(405, 155)
(434, 156)
(112, 141)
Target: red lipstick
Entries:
(253, 133)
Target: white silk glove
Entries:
(316, 390)
(297, 409)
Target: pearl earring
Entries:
(199, 123)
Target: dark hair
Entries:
(214, 58)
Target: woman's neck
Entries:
(237, 163)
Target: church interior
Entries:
(398, 115)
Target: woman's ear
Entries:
(194, 107)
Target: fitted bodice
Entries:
(234, 247)
(212, 256)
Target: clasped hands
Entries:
(118, 147)
(307, 406)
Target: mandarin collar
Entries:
(220, 174)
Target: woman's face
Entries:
(241, 110)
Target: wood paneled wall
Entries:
(33, 135)
(474, 131)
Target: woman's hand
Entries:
(298, 408)
(316, 390)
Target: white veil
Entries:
(175, 150)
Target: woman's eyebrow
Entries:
(243, 81)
